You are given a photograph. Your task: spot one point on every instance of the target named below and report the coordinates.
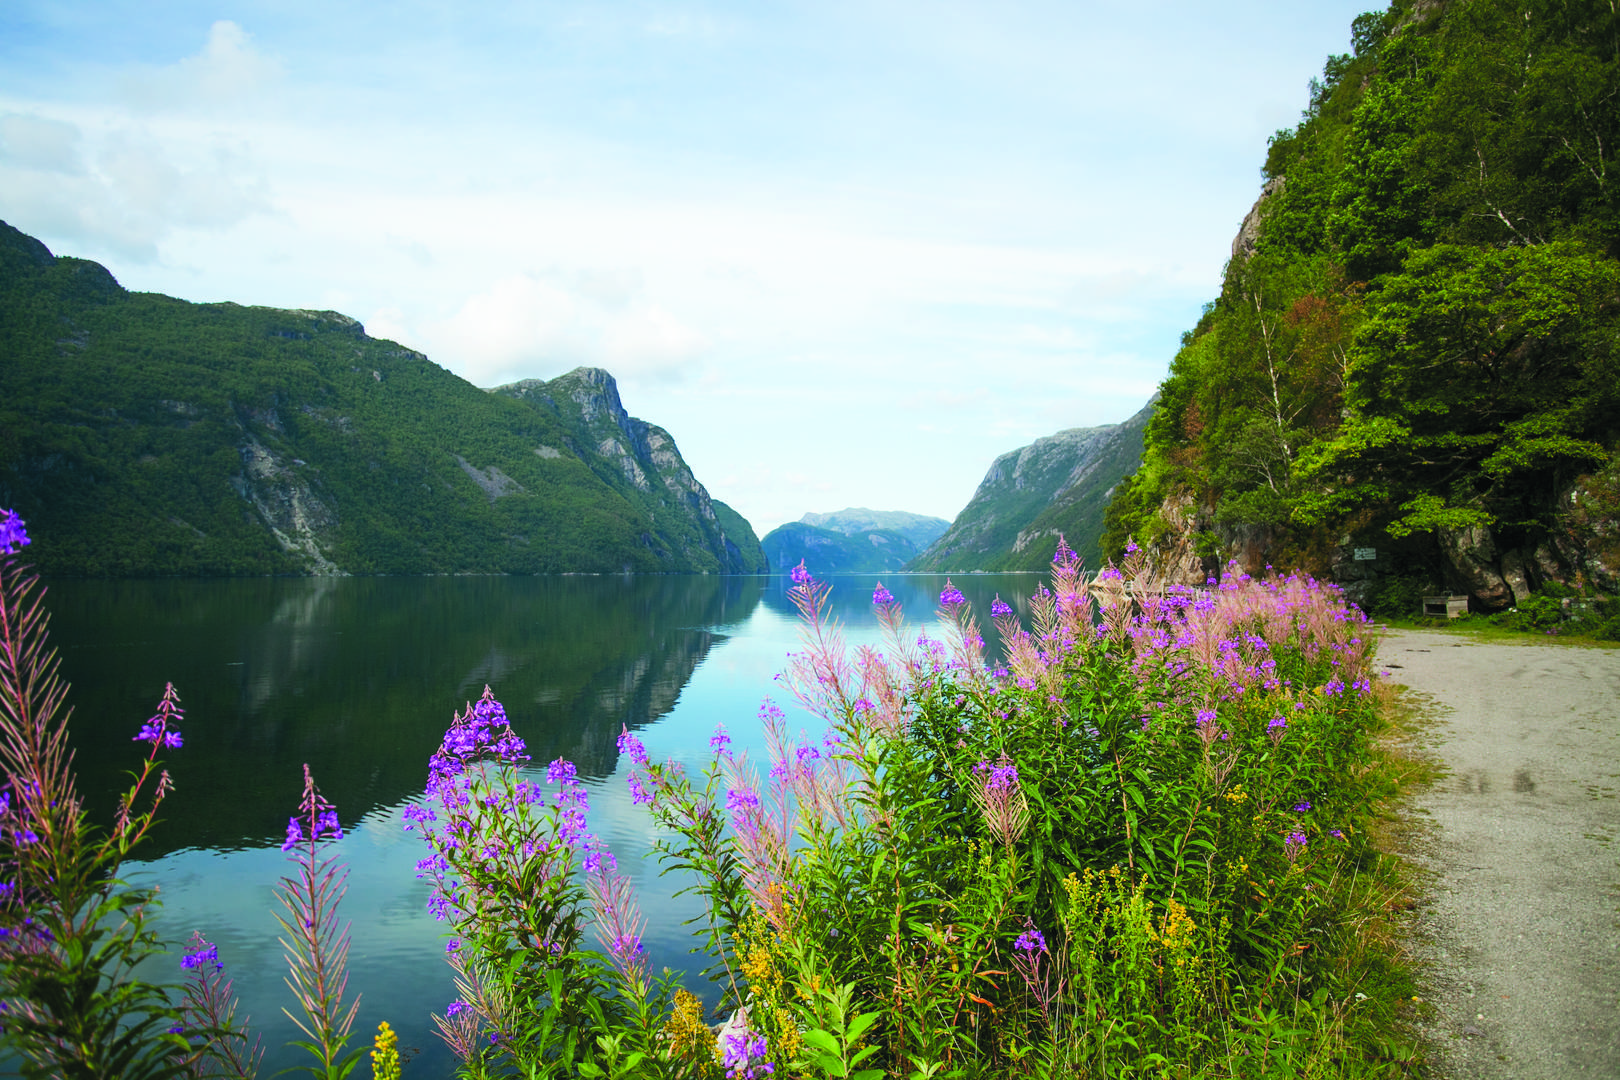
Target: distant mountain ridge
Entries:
(920, 529)
(854, 540)
(143, 435)
(1059, 484)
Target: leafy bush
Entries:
(1399, 595)
(1137, 846)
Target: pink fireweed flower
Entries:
(1000, 799)
(882, 597)
(743, 1057)
(619, 924)
(630, 745)
(160, 729)
(951, 596)
(1293, 845)
(801, 576)
(13, 537)
(999, 608)
(720, 742)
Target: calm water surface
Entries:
(359, 677)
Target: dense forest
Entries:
(143, 435)
(1416, 348)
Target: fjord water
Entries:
(359, 677)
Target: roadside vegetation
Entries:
(1142, 842)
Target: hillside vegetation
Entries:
(144, 435)
(1416, 348)
(1058, 486)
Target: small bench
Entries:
(1449, 606)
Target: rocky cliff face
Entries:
(642, 462)
(1057, 484)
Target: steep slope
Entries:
(1415, 355)
(1057, 484)
(641, 463)
(828, 551)
(744, 553)
(145, 435)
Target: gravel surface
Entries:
(1521, 927)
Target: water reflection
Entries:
(359, 677)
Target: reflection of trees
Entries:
(360, 677)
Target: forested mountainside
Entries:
(143, 435)
(1057, 485)
(1416, 348)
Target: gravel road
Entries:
(1522, 924)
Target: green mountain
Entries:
(1415, 355)
(1057, 485)
(144, 435)
(834, 551)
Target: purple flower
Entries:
(160, 728)
(801, 576)
(455, 1009)
(418, 815)
(639, 795)
(629, 744)
(327, 822)
(561, 771)
(1000, 607)
(1337, 834)
(204, 953)
(738, 799)
(864, 705)
(1293, 845)
(744, 1057)
(882, 597)
(720, 743)
(13, 537)
(295, 834)
(951, 596)
(1030, 941)
(1205, 716)
(1302, 807)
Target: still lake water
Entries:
(359, 677)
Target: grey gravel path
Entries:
(1522, 925)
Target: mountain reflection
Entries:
(359, 677)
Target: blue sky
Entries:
(846, 253)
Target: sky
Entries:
(846, 253)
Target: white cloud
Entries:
(529, 326)
(40, 144)
(226, 72)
